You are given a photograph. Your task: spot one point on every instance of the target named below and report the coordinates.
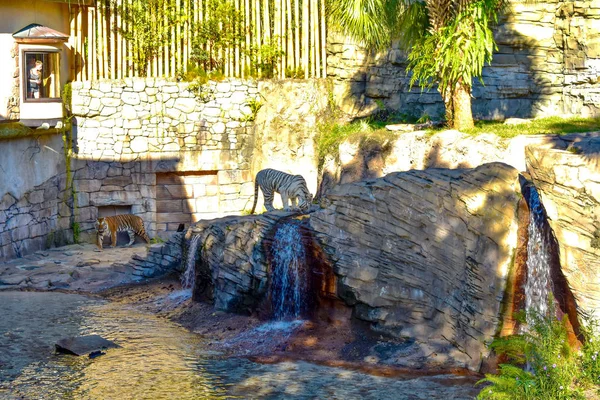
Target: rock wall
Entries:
(547, 63)
(35, 203)
(162, 150)
(231, 265)
(568, 179)
(365, 159)
(422, 255)
(286, 125)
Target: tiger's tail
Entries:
(255, 196)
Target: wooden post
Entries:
(297, 41)
(305, 38)
(92, 68)
(323, 39)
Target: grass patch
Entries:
(538, 126)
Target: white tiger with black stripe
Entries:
(292, 188)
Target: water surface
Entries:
(161, 360)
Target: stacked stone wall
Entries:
(128, 131)
(35, 205)
(547, 63)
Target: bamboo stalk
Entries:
(276, 34)
(237, 30)
(313, 55)
(258, 33)
(92, 68)
(173, 49)
(297, 62)
(289, 50)
(119, 41)
(130, 62)
(154, 18)
(165, 32)
(80, 66)
(73, 43)
(186, 34)
(178, 36)
(247, 32)
(323, 39)
(317, 46)
(105, 43)
(111, 28)
(281, 38)
(305, 38)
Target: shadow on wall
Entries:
(527, 76)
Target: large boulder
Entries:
(424, 255)
(568, 179)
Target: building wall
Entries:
(14, 16)
(547, 63)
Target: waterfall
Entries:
(189, 275)
(537, 287)
(289, 273)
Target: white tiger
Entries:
(290, 187)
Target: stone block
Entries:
(19, 233)
(19, 220)
(36, 196)
(173, 218)
(87, 185)
(169, 206)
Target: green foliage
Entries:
(218, 32)
(457, 51)
(538, 126)
(590, 352)
(141, 28)
(555, 371)
(448, 42)
(254, 105)
(295, 73)
(264, 59)
(156, 240)
(76, 231)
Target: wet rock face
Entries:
(568, 180)
(424, 255)
(231, 265)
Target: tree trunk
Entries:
(462, 113)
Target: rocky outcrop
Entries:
(568, 179)
(365, 159)
(423, 255)
(231, 265)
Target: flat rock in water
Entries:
(80, 345)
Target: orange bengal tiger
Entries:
(129, 223)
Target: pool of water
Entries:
(161, 360)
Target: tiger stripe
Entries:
(292, 188)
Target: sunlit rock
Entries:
(568, 179)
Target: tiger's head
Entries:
(304, 201)
(101, 229)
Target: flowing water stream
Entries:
(537, 286)
(289, 273)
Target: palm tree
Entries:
(447, 41)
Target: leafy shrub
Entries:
(542, 364)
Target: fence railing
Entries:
(165, 38)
